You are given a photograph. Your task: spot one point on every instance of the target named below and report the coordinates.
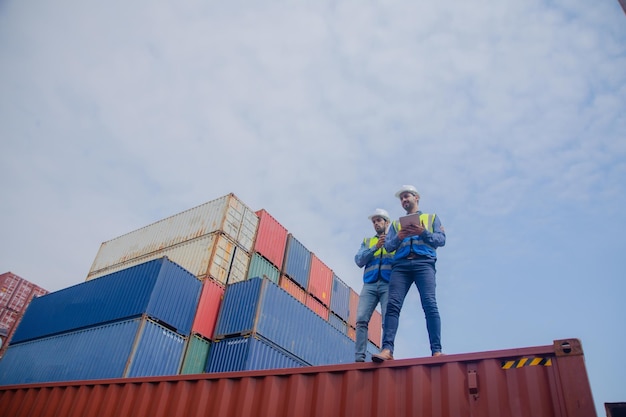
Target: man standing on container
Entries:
(415, 247)
(377, 262)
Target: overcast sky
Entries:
(508, 116)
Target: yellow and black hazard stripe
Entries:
(522, 362)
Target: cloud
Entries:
(507, 116)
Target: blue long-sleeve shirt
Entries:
(434, 239)
(365, 255)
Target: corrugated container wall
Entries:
(160, 289)
(271, 238)
(261, 267)
(159, 351)
(292, 288)
(208, 308)
(375, 328)
(136, 347)
(353, 305)
(226, 214)
(351, 332)
(214, 255)
(542, 381)
(196, 354)
(16, 294)
(320, 280)
(340, 298)
(297, 263)
(317, 307)
(8, 284)
(9, 320)
(260, 306)
(338, 323)
(249, 353)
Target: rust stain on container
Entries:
(473, 384)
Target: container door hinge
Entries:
(472, 382)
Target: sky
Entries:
(507, 116)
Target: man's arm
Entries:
(364, 255)
(438, 237)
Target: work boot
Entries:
(438, 354)
(384, 355)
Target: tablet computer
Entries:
(410, 219)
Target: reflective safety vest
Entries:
(380, 265)
(415, 244)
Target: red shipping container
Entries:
(292, 288)
(354, 304)
(271, 238)
(553, 383)
(9, 320)
(208, 308)
(38, 292)
(320, 280)
(375, 329)
(22, 296)
(319, 308)
(8, 284)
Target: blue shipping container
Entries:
(159, 352)
(338, 323)
(249, 353)
(95, 353)
(260, 306)
(297, 263)
(159, 288)
(340, 299)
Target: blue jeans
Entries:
(371, 295)
(405, 272)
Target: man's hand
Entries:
(411, 230)
(381, 241)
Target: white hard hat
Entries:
(379, 213)
(407, 189)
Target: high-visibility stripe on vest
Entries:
(416, 244)
(380, 264)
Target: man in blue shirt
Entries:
(414, 261)
(377, 262)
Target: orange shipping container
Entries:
(354, 304)
(320, 280)
(541, 381)
(271, 238)
(292, 288)
(352, 333)
(208, 308)
(315, 305)
(375, 329)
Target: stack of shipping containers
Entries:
(296, 309)
(132, 322)
(15, 295)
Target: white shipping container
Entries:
(226, 214)
(214, 255)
